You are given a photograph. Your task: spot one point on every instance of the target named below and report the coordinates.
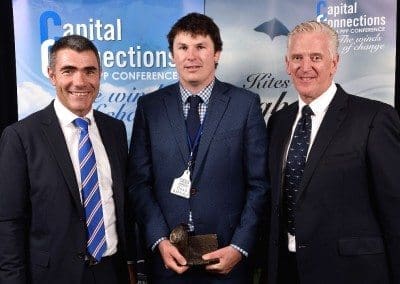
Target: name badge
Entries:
(181, 185)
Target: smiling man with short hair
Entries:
(211, 137)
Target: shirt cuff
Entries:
(157, 242)
(242, 251)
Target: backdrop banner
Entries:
(255, 34)
(130, 36)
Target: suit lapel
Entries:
(57, 145)
(283, 133)
(334, 117)
(173, 106)
(215, 111)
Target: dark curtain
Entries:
(397, 85)
(8, 81)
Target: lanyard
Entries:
(193, 147)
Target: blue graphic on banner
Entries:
(130, 36)
(273, 28)
(321, 6)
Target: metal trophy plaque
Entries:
(193, 247)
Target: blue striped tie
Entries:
(96, 244)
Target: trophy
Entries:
(192, 247)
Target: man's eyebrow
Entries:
(68, 67)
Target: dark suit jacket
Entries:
(348, 207)
(228, 181)
(42, 223)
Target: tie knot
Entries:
(307, 111)
(194, 101)
(82, 123)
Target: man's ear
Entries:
(50, 72)
(287, 65)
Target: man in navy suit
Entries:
(43, 221)
(222, 162)
(337, 219)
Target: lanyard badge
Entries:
(181, 185)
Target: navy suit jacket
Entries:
(42, 223)
(348, 206)
(229, 179)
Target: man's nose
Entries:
(306, 64)
(79, 78)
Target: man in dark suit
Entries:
(333, 158)
(226, 171)
(46, 233)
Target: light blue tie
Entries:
(96, 239)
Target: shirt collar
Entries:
(204, 94)
(321, 103)
(65, 116)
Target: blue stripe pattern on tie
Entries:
(96, 237)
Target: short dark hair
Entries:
(75, 42)
(196, 24)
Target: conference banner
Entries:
(254, 34)
(130, 36)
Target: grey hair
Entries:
(314, 26)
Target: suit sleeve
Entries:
(255, 167)
(140, 181)
(14, 188)
(384, 160)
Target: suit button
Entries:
(193, 191)
(302, 246)
(80, 255)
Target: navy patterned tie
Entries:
(295, 162)
(96, 239)
(193, 117)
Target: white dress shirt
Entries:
(71, 134)
(319, 106)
